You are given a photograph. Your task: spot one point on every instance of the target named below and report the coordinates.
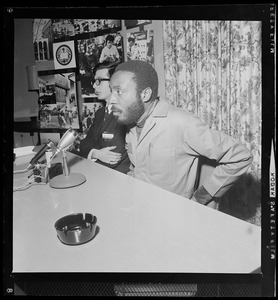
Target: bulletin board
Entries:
(66, 51)
(72, 47)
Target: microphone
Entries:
(40, 153)
(67, 179)
(67, 139)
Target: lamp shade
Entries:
(32, 78)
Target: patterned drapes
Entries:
(213, 69)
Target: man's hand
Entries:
(106, 155)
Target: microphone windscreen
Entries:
(67, 139)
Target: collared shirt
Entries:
(108, 111)
(108, 108)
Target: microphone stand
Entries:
(65, 163)
(67, 179)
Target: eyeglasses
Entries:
(99, 80)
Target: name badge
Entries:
(107, 136)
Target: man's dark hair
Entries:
(110, 38)
(111, 66)
(144, 75)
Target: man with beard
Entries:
(165, 143)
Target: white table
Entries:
(142, 228)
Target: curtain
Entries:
(213, 69)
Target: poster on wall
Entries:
(58, 107)
(64, 55)
(89, 109)
(94, 50)
(93, 25)
(140, 46)
(42, 39)
(62, 29)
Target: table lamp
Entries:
(32, 78)
(67, 179)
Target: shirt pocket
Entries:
(162, 166)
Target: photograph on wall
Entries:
(42, 39)
(134, 23)
(91, 25)
(94, 50)
(89, 109)
(58, 107)
(140, 46)
(62, 29)
(64, 55)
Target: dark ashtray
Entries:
(74, 229)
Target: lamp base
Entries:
(62, 182)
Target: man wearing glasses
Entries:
(105, 140)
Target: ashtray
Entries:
(74, 229)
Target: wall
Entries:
(22, 139)
(25, 103)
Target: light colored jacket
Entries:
(168, 149)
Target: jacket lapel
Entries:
(160, 111)
(106, 120)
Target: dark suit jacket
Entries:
(95, 140)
